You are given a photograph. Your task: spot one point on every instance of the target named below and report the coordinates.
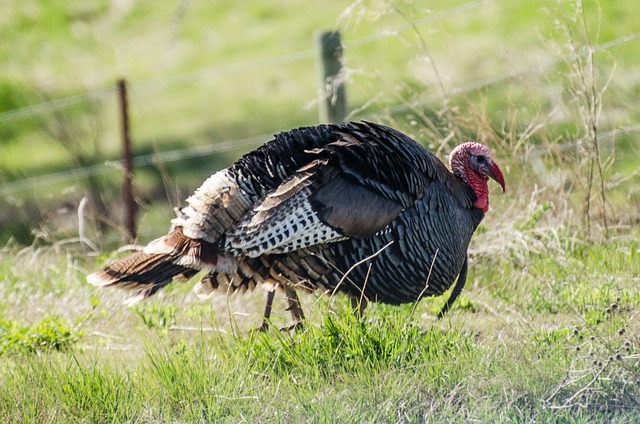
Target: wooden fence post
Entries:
(333, 106)
(129, 199)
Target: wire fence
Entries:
(75, 174)
(138, 161)
(57, 104)
(54, 105)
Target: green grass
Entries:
(555, 339)
(49, 334)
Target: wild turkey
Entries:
(358, 208)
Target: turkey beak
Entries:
(493, 171)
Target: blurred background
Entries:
(551, 86)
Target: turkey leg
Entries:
(267, 311)
(294, 307)
(358, 305)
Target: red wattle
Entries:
(481, 190)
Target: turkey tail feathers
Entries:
(142, 272)
(173, 256)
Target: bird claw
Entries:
(298, 325)
(264, 327)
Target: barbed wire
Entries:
(198, 151)
(181, 154)
(225, 70)
(309, 54)
(94, 95)
(226, 146)
(65, 102)
(53, 105)
(138, 161)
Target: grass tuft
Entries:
(344, 344)
(48, 334)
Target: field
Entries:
(547, 328)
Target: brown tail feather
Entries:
(139, 269)
(148, 271)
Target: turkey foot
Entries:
(294, 307)
(358, 305)
(267, 312)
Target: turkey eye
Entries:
(480, 159)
